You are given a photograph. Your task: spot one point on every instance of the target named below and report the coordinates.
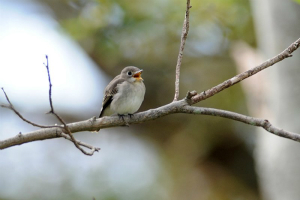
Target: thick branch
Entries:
(238, 78)
(184, 33)
(175, 107)
(93, 124)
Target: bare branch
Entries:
(180, 106)
(236, 79)
(50, 85)
(174, 107)
(58, 133)
(11, 107)
(242, 118)
(65, 127)
(184, 33)
(93, 124)
(92, 148)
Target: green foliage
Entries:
(118, 30)
(117, 33)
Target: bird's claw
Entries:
(121, 116)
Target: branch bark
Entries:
(94, 124)
(63, 128)
(184, 33)
(264, 123)
(238, 78)
(181, 106)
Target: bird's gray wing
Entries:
(110, 90)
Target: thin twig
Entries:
(68, 136)
(50, 85)
(92, 148)
(11, 107)
(238, 78)
(242, 118)
(184, 33)
(66, 128)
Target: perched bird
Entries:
(124, 94)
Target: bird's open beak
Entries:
(137, 75)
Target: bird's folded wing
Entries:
(110, 90)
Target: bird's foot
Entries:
(130, 115)
(122, 116)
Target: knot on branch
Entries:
(292, 48)
(266, 124)
(189, 96)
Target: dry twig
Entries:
(238, 78)
(67, 136)
(184, 33)
(11, 107)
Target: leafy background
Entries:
(186, 157)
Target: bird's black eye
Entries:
(129, 73)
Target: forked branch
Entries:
(67, 135)
(177, 106)
(238, 78)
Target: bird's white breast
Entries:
(129, 98)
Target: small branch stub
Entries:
(189, 96)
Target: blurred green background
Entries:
(205, 157)
(117, 33)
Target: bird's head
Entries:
(132, 74)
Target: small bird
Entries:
(124, 94)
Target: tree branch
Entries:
(69, 135)
(242, 118)
(65, 128)
(238, 78)
(94, 124)
(181, 106)
(184, 33)
(11, 107)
